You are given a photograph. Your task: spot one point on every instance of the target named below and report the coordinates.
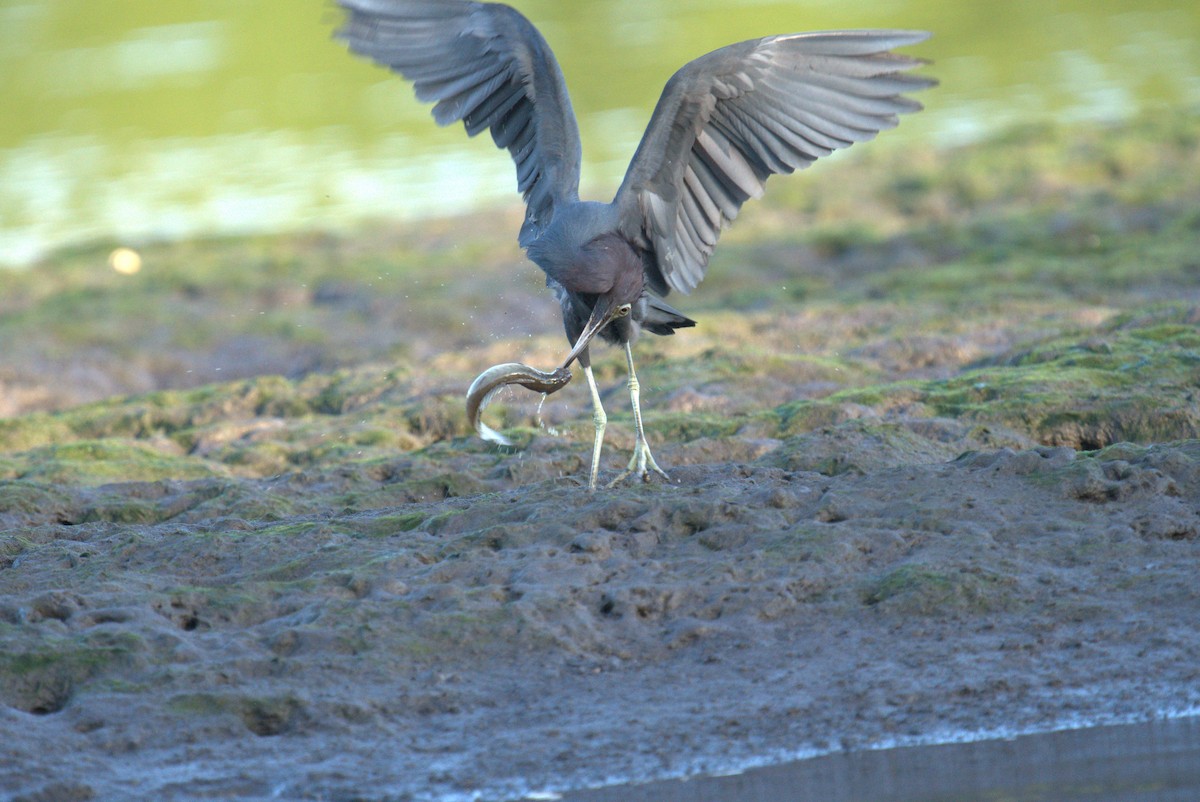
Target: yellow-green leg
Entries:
(642, 460)
(600, 420)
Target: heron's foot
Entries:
(641, 463)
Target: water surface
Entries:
(142, 119)
(1153, 761)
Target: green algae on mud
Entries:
(912, 589)
(42, 676)
(1129, 379)
(102, 460)
(261, 716)
(1132, 379)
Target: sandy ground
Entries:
(919, 498)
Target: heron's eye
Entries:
(623, 310)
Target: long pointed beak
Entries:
(597, 321)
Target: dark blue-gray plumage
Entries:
(724, 124)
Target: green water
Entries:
(128, 120)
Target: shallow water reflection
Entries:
(1155, 760)
(152, 120)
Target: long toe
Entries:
(641, 463)
(653, 466)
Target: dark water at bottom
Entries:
(1149, 762)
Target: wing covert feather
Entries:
(732, 118)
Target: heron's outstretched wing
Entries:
(730, 119)
(484, 64)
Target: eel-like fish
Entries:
(487, 383)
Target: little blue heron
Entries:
(724, 123)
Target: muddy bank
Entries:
(549, 638)
(935, 469)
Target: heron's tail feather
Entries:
(662, 318)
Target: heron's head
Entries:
(604, 312)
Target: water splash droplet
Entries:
(541, 423)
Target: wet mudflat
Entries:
(934, 470)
